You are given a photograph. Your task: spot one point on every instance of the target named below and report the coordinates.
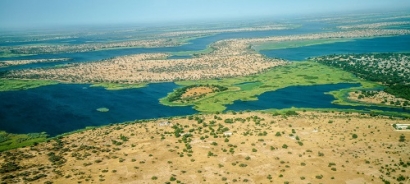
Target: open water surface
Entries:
(381, 44)
(63, 108)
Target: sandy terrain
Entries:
(380, 97)
(31, 61)
(155, 68)
(44, 49)
(197, 91)
(258, 148)
(374, 25)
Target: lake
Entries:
(303, 97)
(62, 108)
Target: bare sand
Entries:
(197, 91)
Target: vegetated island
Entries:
(194, 92)
(255, 147)
(103, 109)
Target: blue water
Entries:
(302, 97)
(66, 107)
(179, 57)
(382, 44)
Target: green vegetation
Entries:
(297, 43)
(19, 84)
(249, 87)
(14, 85)
(390, 69)
(103, 109)
(177, 95)
(11, 141)
(113, 86)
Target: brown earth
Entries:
(197, 91)
(332, 148)
(380, 97)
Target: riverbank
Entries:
(333, 147)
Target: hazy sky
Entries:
(29, 13)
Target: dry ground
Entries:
(149, 152)
(197, 91)
(380, 97)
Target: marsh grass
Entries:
(249, 87)
(14, 85)
(11, 141)
(113, 86)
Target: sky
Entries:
(38, 13)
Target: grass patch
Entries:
(249, 85)
(15, 85)
(10, 141)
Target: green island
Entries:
(103, 109)
(116, 86)
(193, 92)
(19, 84)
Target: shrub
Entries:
(354, 136)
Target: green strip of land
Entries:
(249, 87)
(11, 141)
(15, 84)
(113, 86)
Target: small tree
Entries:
(402, 138)
(354, 136)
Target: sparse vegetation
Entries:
(189, 147)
